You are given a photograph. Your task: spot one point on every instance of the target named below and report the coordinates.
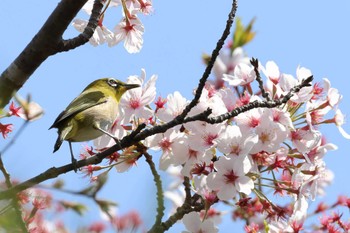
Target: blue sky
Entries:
(307, 33)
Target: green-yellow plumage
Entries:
(90, 114)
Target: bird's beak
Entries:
(130, 86)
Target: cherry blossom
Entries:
(229, 98)
(234, 142)
(137, 100)
(183, 153)
(101, 34)
(194, 224)
(249, 120)
(230, 177)
(339, 120)
(176, 103)
(204, 136)
(131, 31)
(287, 82)
(29, 111)
(90, 3)
(272, 72)
(5, 129)
(243, 75)
(165, 141)
(13, 111)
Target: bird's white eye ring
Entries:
(112, 82)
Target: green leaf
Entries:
(106, 207)
(76, 207)
(242, 34)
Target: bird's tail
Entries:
(57, 144)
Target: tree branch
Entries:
(160, 196)
(212, 60)
(134, 138)
(46, 42)
(82, 38)
(255, 64)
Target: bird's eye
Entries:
(112, 82)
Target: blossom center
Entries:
(134, 103)
(209, 139)
(230, 177)
(254, 122)
(165, 144)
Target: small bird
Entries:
(91, 114)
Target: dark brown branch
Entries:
(82, 38)
(256, 104)
(188, 206)
(44, 44)
(255, 64)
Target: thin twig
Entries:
(160, 195)
(187, 207)
(212, 60)
(255, 64)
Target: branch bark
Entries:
(48, 41)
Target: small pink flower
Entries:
(230, 177)
(13, 110)
(5, 129)
(135, 102)
(243, 75)
(131, 31)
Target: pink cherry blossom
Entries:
(243, 75)
(194, 224)
(135, 102)
(14, 111)
(272, 72)
(209, 99)
(90, 3)
(165, 142)
(225, 63)
(230, 178)
(234, 142)
(249, 120)
(204, 136)
(176, 103)
(229, 98)
(29, 111)
(131, 31)
(270, 137)
(339, 119)
(101, 34)
(287, 82)
(5, 129)
(184, 154)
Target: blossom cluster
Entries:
(130, 28)
(242, 159)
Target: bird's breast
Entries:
(102, 115)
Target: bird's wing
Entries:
(82, 102)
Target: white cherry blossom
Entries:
(230, 178)
(135, 102)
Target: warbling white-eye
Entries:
(91, 114)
